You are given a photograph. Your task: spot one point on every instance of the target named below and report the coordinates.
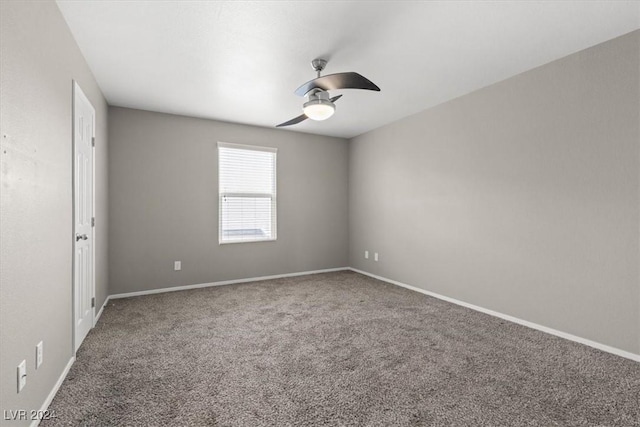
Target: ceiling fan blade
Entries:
(303, 117)
(293, 121)
(338, 81)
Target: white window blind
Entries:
(247, 190)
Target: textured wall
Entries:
(164, 202)
(521, 197)
(40, 60)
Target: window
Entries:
(247, 190)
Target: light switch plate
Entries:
(375, 256)
(177, 266)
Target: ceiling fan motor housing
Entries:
(318, 94)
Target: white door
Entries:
(83, 275)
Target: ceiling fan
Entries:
(319, 105)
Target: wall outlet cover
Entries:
(39, 355)
(22, 375)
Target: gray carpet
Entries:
(333, 349)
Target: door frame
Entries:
(78, 92)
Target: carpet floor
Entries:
(333, 349)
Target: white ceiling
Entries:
(240, 61)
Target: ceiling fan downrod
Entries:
(318, 64)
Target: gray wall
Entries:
(522, 197)
(163, 202)
(39, 61)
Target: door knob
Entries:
(81, 237)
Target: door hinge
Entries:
(93, 221)
(93, 141)
(93, 302)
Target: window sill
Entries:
(232, 242)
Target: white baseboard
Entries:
(54, 390)
(222, 283)
(106, 300)
(570, 337)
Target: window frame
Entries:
(273, 197)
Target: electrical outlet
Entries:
(22, 375)
(366, 254)
(375, 257)
(177, 266)
(39, 355)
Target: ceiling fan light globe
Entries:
(319, 109)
